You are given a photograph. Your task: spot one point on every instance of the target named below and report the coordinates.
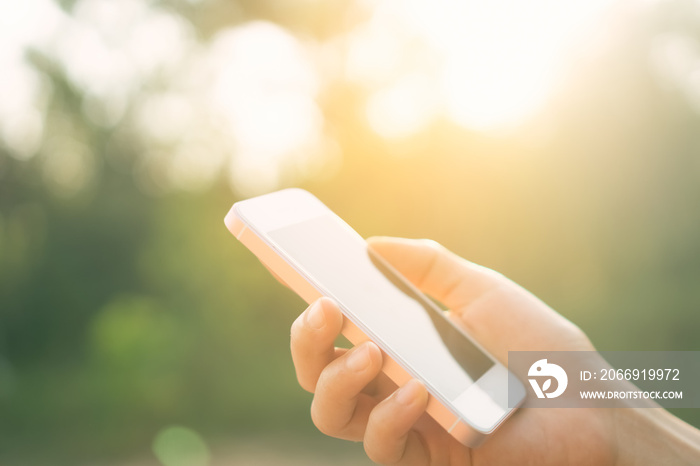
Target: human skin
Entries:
(353, 400)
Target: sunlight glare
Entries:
(495, 63)
(675, 58)
(402, 109)
(24, 94)
(265, 91)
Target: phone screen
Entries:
(414, 330)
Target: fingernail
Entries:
(408, 393)
(315, 317)
(359, 359)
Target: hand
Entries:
(353, 400)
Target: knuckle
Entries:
(297, 326)
(579, 340)
(320, 419)
(432, 244)
(377, 441)
(305, 383)
(377, 453)
(497, 278)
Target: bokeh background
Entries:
(557, 142)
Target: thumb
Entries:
(453, 281)
(498, 313)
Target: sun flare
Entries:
(490, 65)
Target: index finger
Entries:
(312, 341)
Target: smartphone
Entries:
(315, 253)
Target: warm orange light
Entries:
(492, 64)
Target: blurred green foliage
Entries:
(124, 310)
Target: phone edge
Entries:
(463, 432)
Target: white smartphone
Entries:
(317, 254)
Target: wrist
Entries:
(654, 436)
